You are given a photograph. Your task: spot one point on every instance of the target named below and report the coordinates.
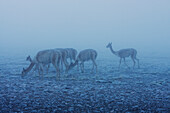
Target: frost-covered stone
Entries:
(143, 90)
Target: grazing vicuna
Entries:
(71, 54)
(64, 55)
(123, 53)
(46, 57)
(36, 63)
(85, 55)
(25, 71)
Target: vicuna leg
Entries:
(77, 66)
(138, 62)
(61, 65)
(125, 62)
(92, 68)
(66, 64)
(133, 62)
(36, 68)
(48, 68)
(57, 70)
(82, 67)
(120, 62)
(134, 58)
(41, 68)
(94, 64)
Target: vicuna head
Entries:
(72, 65)
(109, 45)
(28, 58)
(23, 72)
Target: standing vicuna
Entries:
(85, 55)
(43, 58)
(64, 55)
(123, 53)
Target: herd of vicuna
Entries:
(58, 57)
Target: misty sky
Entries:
(33, 25)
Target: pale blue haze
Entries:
(27, 26)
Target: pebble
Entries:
(111, 92)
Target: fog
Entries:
(29, 26)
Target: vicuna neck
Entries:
(29, 68)
(30, 60)
(111, 49)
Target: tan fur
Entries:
(64, 55)
(46, 57)
(71, 54)
(85, 55)
(123, 53)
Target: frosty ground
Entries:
(140, 90)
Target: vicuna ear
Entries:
(27, 58)
(111, 43)
(23, 69)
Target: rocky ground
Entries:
(111, 90)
